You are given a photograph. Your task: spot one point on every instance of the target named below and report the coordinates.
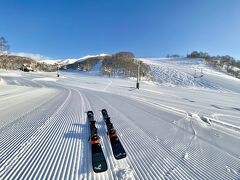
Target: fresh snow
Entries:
(2, 82)
(45, 79)
(9, 74)
(170, 129)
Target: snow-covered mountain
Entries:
(70, 60)
(48, 60)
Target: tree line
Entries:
(120, 64)
(227, 63)
(11, 62)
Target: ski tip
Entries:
(105, 113)
(104, 110)
(90, 114)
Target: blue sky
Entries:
(148, 28)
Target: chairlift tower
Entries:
(58, 71)
(137, 84)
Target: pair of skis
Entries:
(99, 163)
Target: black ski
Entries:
(99, 163)
(117, 148)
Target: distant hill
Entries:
(120, 64)
(15, 62)
(43, 59)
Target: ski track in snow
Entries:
(44, 133)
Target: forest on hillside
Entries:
(225, 63)
(119, 64)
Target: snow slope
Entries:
(181, 132)
(187, 73)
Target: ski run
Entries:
(85, 126)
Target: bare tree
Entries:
(4, 46)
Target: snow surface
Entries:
(10, 74)
(45, 79)
(2, 82)
(187, 73)
(186, 130)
